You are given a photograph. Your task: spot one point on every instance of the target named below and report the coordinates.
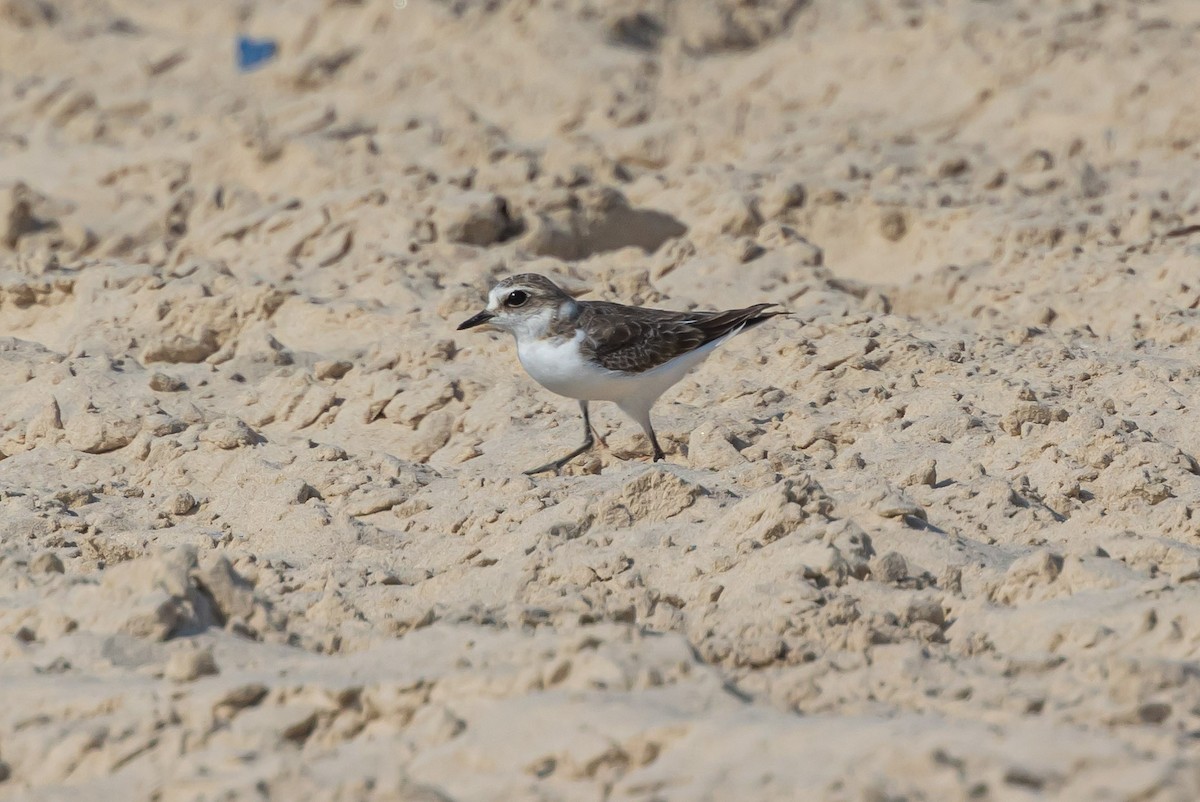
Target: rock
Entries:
(332, 369)
(924, 473)
(654, 495)
(163, 383)
(952, 167)
(473, 218)
(229, 433)
(181, 348)
(28, 14)
(16, 214)
(926, 609)
(232, 595)
(780, 197)
(839, 350)
(239, 698)
(893, 226)
(709, 447)
(597, 219)
(889, 567)
(187, 665)
(824, 563)
(1040, 414)
(737, 215)
(180, 503)
(897, 505)
(98, 432)
(768, 515)
(1026, 575)
(46, 423)
(46, 563)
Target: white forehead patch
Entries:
(498, 294)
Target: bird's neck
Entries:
(549, 323)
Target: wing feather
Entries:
(633, 339)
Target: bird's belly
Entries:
(560, 368)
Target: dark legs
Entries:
(588, 442)
(641, 414)
(658, 452)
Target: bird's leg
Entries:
(588, 442)
(658, 452)
(641, 414)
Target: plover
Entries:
(600, 351)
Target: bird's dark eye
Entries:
(516, 298)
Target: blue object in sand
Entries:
(252, 53)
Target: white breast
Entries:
(559, 366)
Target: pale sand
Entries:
(264, 533)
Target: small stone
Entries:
(162, 383)
(332, 369)
(952, 168)
(27, 14)
(889, 567)
(190, 664)
(232, 594)
(99, 433)
(781, 197)
(1040, 414)
(925, 473)
(710, 447)
(898, 505)
(473, 218)
(1154, 712)
(16, 214)
(241, 697)
(327, 452)
(180, 503)
(180, 348)
(46, 563)
(229, 433)
(893, 226)
(927, 610)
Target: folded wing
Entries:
(634, 340)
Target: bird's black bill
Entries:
(476, 320)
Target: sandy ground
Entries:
(263, 531)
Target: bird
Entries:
(603, 351)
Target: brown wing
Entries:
(634, 339)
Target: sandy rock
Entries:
(924, 473)
(229, 433)
(100, 432)
(654, 495)
(187, 665)
(1026, 576)
(895, 504)
(28, 13)
(46, 563)
(473, 218)
(180, 503)
(710, 447)
(332, 368)
(1021, 414)
(181, 348)
(16, 207)
(45, 424)
(164, 383)
(889, 567)
(766, 516)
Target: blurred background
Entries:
(886, 141)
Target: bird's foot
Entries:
(557, 464)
